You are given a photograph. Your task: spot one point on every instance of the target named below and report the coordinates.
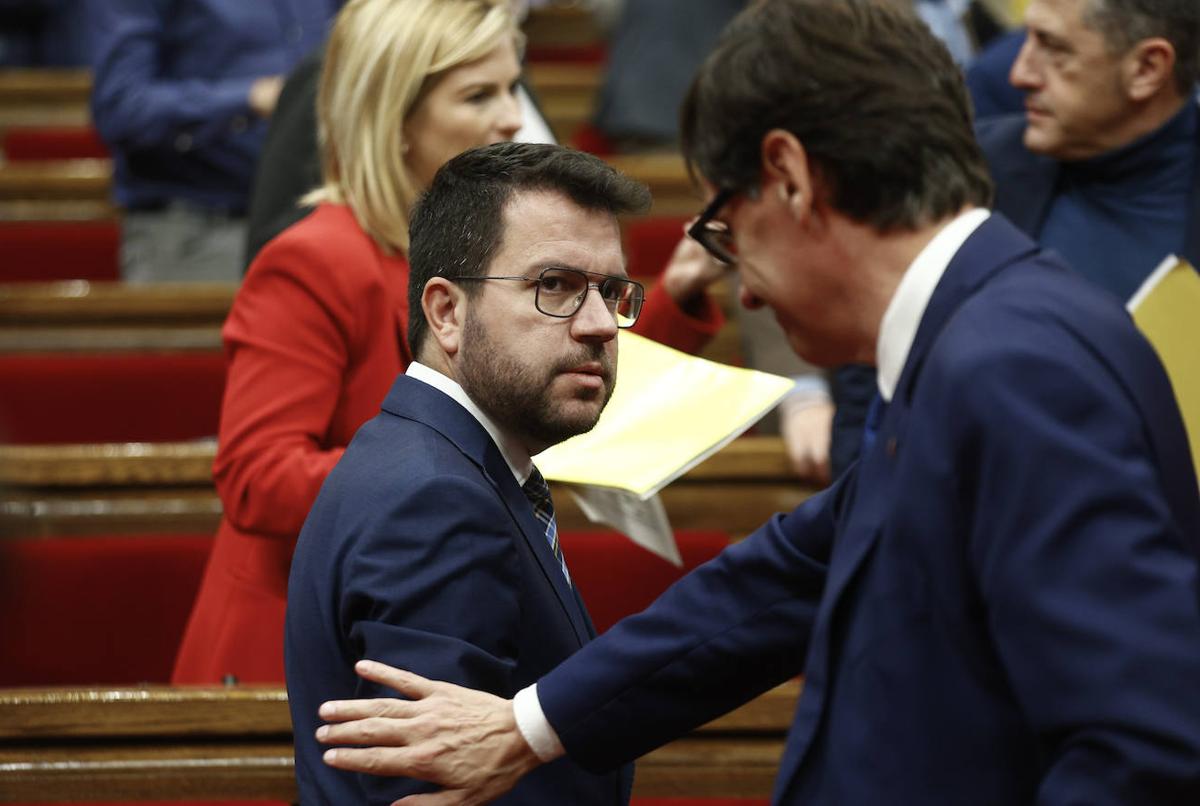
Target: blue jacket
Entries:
(421, 551)
(999, 605)
(171, 86)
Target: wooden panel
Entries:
(56, 97)
(109, 339)
(147, 487)
(90, 180)
(35, 713)
(72, 180)
(156, 771)
(162, 742)
(78, 302)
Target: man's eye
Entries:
(552, 284)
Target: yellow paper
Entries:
(1167, 310)
(669, 412)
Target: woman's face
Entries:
(474, 104)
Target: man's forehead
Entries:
(548, 226)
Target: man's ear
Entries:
(1147, 68)
(787, 172)
(445, 307)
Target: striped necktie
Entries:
(538, 493)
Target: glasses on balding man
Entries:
(560, 292)
(715, 236)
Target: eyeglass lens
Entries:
(561, 292)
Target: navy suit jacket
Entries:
(998, 605)
(421, 551)
(1025, 181)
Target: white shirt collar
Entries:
(904, 312)
(518, 459)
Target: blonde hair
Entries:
(383, 56)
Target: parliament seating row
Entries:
(109, 362)
(129, 488)
(111, 609)
(159, 743)
(47, 250)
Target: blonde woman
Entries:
(317, 332)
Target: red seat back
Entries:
(617, 578)
(110, 397)
(649, 243)
(96, 610)
(42, 251)
(29, 143)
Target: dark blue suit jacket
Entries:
(421, 551)
(1025, 181)
(998, 605)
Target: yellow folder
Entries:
(1167, 310)
(669, 412)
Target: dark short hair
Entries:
(1124, 23)
(457, 226)
(873, 96)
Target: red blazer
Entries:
(314, 340)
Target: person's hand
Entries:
(465, 740)
(264, 94)
(689, 273)
(806, 434)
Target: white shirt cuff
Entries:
(534, 727)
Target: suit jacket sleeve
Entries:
(288, 343)
(1089, 585)
(727, 632)
(434, 586)
(132, 104)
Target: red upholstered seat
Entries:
(649, 243)
(110, 397)
(591, 53)
(617, 578)
(96, 610)
(28, 143)
(42, 251)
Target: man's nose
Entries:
(594, 321)
(1023, 76)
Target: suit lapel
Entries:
(990, 248)
(415, 400)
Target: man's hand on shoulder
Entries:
(466, 740)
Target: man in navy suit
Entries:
(432, 544)
(1000, 603)
(1103, 166)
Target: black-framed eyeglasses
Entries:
(715, 236)
(560, 292)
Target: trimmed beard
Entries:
(516, 395)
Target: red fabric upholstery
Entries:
(110, 397)
(616, 578)
(41, 251)
(594, 53)
(96, 610)
(649, 243)
(23, 144)
(590, 139)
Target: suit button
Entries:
(891, 447)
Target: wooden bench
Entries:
(167, 487)
(160, 742)
(33, 185)
(44, 97)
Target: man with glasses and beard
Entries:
(433, 544)
(1000, 602)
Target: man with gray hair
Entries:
(1103, 166)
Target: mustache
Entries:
(586, 355)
